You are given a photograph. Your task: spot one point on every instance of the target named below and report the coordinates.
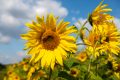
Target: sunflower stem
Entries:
(50, 74)
(89, 66)
(97, 68)
(79, 30)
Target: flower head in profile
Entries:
(99, 15)
(93, 45)
(48, 40)
(82, 56)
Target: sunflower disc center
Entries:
(73, 72)
(50, 40)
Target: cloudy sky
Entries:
(14, 13)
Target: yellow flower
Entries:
(118, 68)
(109, 37)
(103, 38)
(115, 64)
(117, 72)
(117, 75)
(40, 74)
(74, 72)
(31, 71)
(11, 75)
(82, 56)
(16, 78)
(25, 67)
(9, 72)
(99, 15)
(110, 57)
(48, 41)
(93, 46)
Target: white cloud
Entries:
(6, 59)
(117, 22)
(44, 7)
(14, 13)
(8, 20)
(74, 19)
(4, 39)
(80, 22)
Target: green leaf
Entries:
(75, 27)
(65, 75)
(69, 62)
(55, 73)
(95, 77)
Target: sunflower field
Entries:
(52, 46)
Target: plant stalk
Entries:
(50, 74)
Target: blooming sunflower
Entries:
(11, 74)
(99, 14)
(40, 74)
(74, 72)
(115, 65)
(109, 37)
(117, 72)
(103, 39)
(82, 56)
(93, 46)
(48, 41)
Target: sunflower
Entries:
(103, 38)
(93, 46)
(117, 72)
(74, 72)
(115, 67)
(82, 56)
(99, 14)
(40, 74)
(109, 37)
(31, 71)
(11, 74)
(48, 41)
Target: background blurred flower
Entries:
(99, 15)
(82, 56)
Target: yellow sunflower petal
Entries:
(70, 46)
(62, 51)
(51, 22)
(49, 58)
(63, 26)
(58, 56)
(60, 24)
(41, 54)
(53, 62)
(68, 38)
(32, 27)
(104, 5)
(43, 60)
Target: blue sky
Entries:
(14, 13)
